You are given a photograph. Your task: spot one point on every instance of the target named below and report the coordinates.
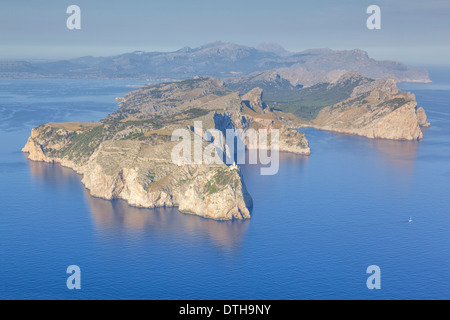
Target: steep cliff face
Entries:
(374, 110)
(345, 102)
(255, 115)
(253, 100)
(144, 176)
(422, 117)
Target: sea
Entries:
(316, 226)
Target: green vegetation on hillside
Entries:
(220, 180)
(306, 103)
(83, 145)
(194, 113)
(395, 103)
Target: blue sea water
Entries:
(316, 226)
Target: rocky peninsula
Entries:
(127, 155)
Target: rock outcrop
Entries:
(422, 117)
(344, 102)
(253, 100)
(375, 109)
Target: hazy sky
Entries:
(413, 31)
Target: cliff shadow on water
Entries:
(110, 216)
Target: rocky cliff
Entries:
(346, 102)
(422, 117)
(144, 176)
(375, 109)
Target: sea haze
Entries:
(316, 226)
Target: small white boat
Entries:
(410, 220)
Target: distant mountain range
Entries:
(220, 60)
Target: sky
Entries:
(415, 32)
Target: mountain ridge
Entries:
(217, 59)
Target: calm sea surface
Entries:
(317, 225)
